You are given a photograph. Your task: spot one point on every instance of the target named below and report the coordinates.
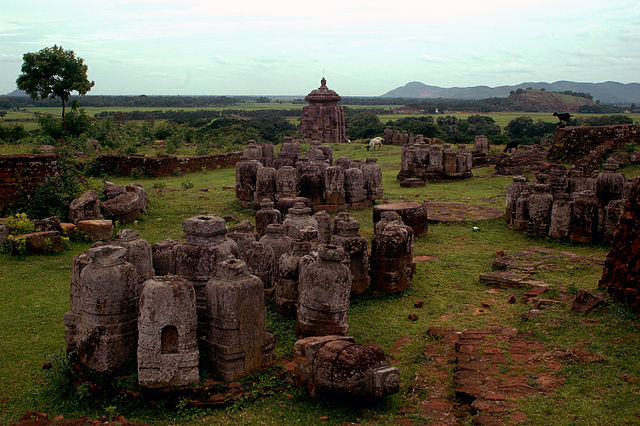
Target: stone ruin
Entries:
(237, 340)
(324, 288)
(434, 163)
(528, 158)
(337, 367)
(323, 119)
(620, 275)
(167, 341)
(158, 304)
(313, 178)
(392, 265)
(402, 137)
(120, 306)
(102, 321)
(563, 206)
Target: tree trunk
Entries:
(64, 118)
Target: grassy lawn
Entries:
(34, 297)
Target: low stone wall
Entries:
(574, 142)
(124, 165)
(21, 173)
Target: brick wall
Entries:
(123, 165)
(21, 173)
(574, 142)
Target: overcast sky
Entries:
(363, 48)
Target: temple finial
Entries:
(323, 82)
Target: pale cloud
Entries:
(362, 47)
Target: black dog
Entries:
(563, 117)
(511, 146)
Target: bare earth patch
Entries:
(459, 212)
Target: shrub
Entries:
(20, 224)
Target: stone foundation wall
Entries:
(574, 142)
(123, 165)
(21, 173)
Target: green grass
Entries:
(34, 297)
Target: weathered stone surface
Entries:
(540, 204)
(372, 174)
(324, 227)
(561, 214)
(48, 224)
(433, 162)
(85, 207)
(586, 302)
(571, 143)
(620, 274)
(533, 158)
(324, 288)
(243, 234)
(161, 253)
(356, 249)
(289, 265)
(111, 190)
(286, 182)
(412, 214)
(277, 240)
(265, 184)
(267, 215)
(514, 190)
(98, 229)
(481, 143)
(246, 177)
(337, 367)
(41, 242)
(197, 258)
(106, 331)
(261, 262)
(139, 253)
(392, 265)
(334, 185)
(237, 341)
(354, 190)
(284, 204)
(584, 222)
(124, 208)
(167, 342)
(521, 218)
(323, 119)
(299, 217)
(612, 214)
(412, 183)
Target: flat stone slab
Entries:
(535, 258)
(509, 279)
(459, 212)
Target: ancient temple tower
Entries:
(323, 119)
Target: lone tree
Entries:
(54, 72)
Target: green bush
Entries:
(19, 224)
(53, 195)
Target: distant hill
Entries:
(609, 92)
(541, 100)
(17, 92)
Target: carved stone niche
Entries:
(236, 340)
(167, 341)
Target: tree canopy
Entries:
(53, 72)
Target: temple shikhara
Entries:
(323, 119)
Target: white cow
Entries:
(375, 142)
